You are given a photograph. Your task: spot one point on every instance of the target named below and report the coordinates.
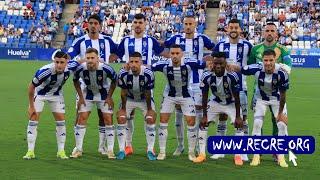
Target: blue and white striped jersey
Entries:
(236, 54)
(104, 45)
(136, 85)
(96, 82)
(223, 87)
(147, 46)
(268, 85)
(49, 83)
(193, 48)
(178, 77)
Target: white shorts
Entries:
(214, 109)
(131, 105)
(100, 105)
(261, 108)
(197, 97)
(186, 104)
(56, 103)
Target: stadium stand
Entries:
(29, 24)
(298, 21)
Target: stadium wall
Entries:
(300, 58)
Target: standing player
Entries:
(177, 92)
(272, 84)
(147, 46)
(95, 76)
(136, 85)
(46, 86)
(282, 57)
(237, 51)
(106, 49)
(193, 45)
(225, 87)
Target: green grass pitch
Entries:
(304, 115)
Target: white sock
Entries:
(180, 128)
(282, 129)
(238, 132)
(110, 137)
(129, 129)
(203, 133)
(79, 132)
(246, 128)
(121, 135)
(257, 126)
(102, 137)
(32, 134)
(192, 138)
(61, 134)
(199, 115)
(151, 136)
(222, 128)
(163, 134)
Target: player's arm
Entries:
(205, 92)
(31, 109)
(236, 87)
(159, 66)
(250, 69)
(113, 51)
(286, 63)
(112, 75)
(74, 50)
(76, 84)
(159, 50)
(208, 43)
(284, 86)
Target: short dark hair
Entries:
(96, 17)
(92, 50)
(271, 24)
(175, 46)
(189, 16)
(269, 52)
(140, 16)
(60, 54)
(234, 21)
(135, 54)
(218, 54)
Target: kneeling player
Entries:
(273, 82)
(95, 76)
(46, 86)
(136, 85)
(225, 87)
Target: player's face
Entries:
(139, 25)
(60, 64)
(94, 26)
(269, 62)
(176, 55)
(92, 61)
(189, 25)
(219, 65)
(270, 33)
(234, 30)
(135, 64)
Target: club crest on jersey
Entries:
(240, 50)
(274, 82)
(141, 83)
(144, 44)
(66, 77)
(195, 43)
(99, 78)
(184, 72)
(225, 84)
(101, 45)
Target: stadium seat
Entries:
(301, 44)
(307, 45)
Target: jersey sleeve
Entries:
(111, 73)
(74, 50)
(217, 47)
(250, 69)
(150, 79)
(208, 43)
(73, 65)
(252, 56)
(169, 42)
(121, 79)
(204, 83)
(159, 66)
(196, 64)
(235, 82)
(283, 80)
(113, 46)
(285, 54)
(40, 76)
(120, 50)
(157, 48)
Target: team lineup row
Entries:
(186, 91)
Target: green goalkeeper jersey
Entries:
(282, 53)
